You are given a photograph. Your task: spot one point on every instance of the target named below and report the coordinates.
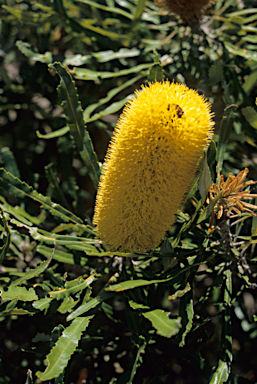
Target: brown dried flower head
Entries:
(228, 196)
(190, 11)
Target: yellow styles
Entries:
(151, 161)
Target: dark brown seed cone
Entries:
(190, 11)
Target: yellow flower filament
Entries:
(151, 161)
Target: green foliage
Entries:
(71, 310)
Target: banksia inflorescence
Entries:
(190, 11)
(228, 196)
(152, 159)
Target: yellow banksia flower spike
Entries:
(151, 161)
(190, 11)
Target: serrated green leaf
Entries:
(31, 273)
(79, 285)
(42, 304)
(53, 182)
(9, 161)
(6, 236)
(33, 54)
(60, 354)
(186, 311)
(40, 336)
(215, 73)
(58, 133)
(20, 214)
(67, 303)
(225, 129)
(204, 181)
(162, 323)
(221, 374)
(20, 293)
(180, 293)
(156, 73)
(250, 115)
(74, 116)
(20, 189)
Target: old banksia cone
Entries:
(190, 11)
(153, 156)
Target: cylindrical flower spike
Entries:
(151, 161)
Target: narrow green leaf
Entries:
(102, 57)
(91, 108)
(225, 130)
(136, 361)
(247, 54)
(242, 12)
(114, 10)
(250, 114)
(58, 133)
(130, 284)
(72, 109)
(63, 257)
(33, 54)
(250, 82)
(84, 24)
(250, 39)
(20, 293)
(35, 18)
(92, 303)
(88, 74)
(60, 354)
(6, 236)
(140, 6)
(221, 374)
